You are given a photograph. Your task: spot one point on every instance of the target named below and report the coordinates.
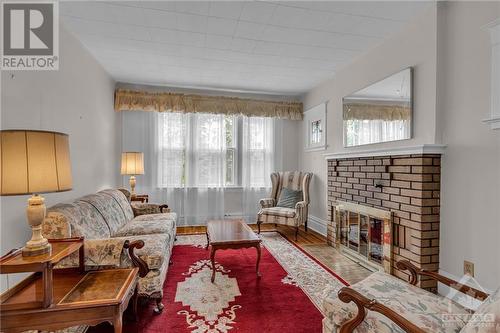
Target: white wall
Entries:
(78, 100)
(470, 192)
(450, 53)
(414, 46)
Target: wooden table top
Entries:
(15, 262)
(75, 289)
(230, 232)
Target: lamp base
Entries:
(38, 244)
(36, 250)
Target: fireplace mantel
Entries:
(392, 151)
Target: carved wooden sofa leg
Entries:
(159, 306)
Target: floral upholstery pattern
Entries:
(109, 208)
(155, 251)
(419, 306)
(160, 225)
(122, 200)
(142, 208)
(294, 180)
(486, 319)
(106, 222)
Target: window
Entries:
(208, 150)
(360, 132)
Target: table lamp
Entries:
(34, 162)
(132, 164)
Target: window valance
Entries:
(368, 111)
(128, 100)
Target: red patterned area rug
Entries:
(286, 298)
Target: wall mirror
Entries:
(380, 112)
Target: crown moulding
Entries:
(393, 151)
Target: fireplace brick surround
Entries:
(408, 186)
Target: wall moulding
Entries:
(393, 151)
(494, 29)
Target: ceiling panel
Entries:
(261, 46)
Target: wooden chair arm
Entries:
(348, 295)
(406, 265)
(138, 262)
(164, 206)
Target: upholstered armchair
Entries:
(295, 217)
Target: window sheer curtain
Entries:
(188, 155)
(376, 130)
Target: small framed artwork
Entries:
(315, 128)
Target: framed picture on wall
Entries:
(315, 128)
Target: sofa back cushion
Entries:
(122, 200)
(76, 219)
(486, 319)
(109, 209)
(91, 225)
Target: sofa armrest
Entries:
(406, 265)
(267, 202)
(140, 208)
(348, 295)
(138, 262)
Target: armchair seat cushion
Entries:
(279, 211)
(419, 306)
(148, 224)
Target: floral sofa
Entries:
(107, 222)
(383, 303)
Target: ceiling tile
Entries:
(227, 9)
(258, 12)
(249, 30)
(274, 47)
(221, 26)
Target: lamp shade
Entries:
(34, 162)
(132, 163)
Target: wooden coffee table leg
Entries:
(212, 259)
(258, 259)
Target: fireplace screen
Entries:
(365, 234)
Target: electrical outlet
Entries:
(469, 268)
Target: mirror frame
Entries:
(412, 98)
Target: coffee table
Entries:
(230, 234)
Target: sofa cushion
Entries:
(75, 219)
(486, 319)
(279, 211)
(156, 248)
(109, 209)
(419, 306)
(122, 200)
(148, 224)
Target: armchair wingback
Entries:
(295, 217)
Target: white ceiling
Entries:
(260, 46)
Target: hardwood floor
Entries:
(311, 242)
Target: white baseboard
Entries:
(317, 224)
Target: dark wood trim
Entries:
(348, 295)
(406, 265)
(138, 262)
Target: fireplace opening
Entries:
(364, 233)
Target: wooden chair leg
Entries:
(159, 306)
(305, 226)
(258, 227)
(296, 233)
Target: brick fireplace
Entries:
(406, 185)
